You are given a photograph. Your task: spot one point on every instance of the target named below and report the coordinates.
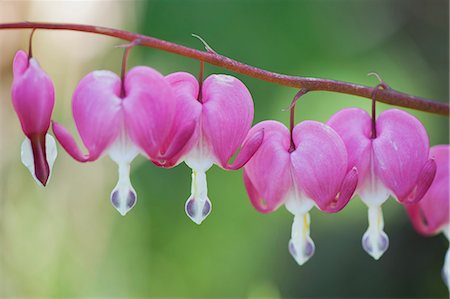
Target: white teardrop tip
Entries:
(375, 243)
(198, 210)
(123, 199)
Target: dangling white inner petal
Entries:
(26, 155)
(122, 152)
(301, 246)
(446, 268)
(198, 205)
(375, 241)
(199, 159)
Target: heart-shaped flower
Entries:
(122, 119)
(431, 215)
(313, 173)
(394, 162)
(221, 110)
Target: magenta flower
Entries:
(430, 216)
(33, 98)
(311, 173)
(222, 113)
(121, 119)
(391, 158)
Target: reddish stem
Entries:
(200, 81)
(388, 96)
(123, 72)
(30, 45)
(300, 93)
(383, 86)
(374, 118)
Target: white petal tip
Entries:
(122, 212)
(446, 269)
(123, 200)
(302, 252)
(375, 243)
(198, 210)
(446, 278)
(197, 221)
(301, 246)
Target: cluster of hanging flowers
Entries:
(178, 118)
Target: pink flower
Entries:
(431, 215)
(222, 114)
(394, 162)
(33, 98)
(312, 173)
(121, 119)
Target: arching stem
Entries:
(388, 96)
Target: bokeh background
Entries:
(67, 241)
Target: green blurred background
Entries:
(68, 241)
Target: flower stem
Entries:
(388, 96)
(123, 72)
(200, 81)
(380, 86)
(300, 93)
(30, 45)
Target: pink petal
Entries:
(347, 191)
(33, 95)
(249, 148)
(20, 63)
(319, 164)
(227, 115)
(169, 157)
(267, 175)
(354, 127)
(400, 152)
(185, 130)
(97, 113)
(69, 144)
(431, 213)
(149, 108)
(426, 177)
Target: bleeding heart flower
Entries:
(222, 113)
(33, 98)
(122, 119)
(431, 214)
(312, 172)
(394, 161)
